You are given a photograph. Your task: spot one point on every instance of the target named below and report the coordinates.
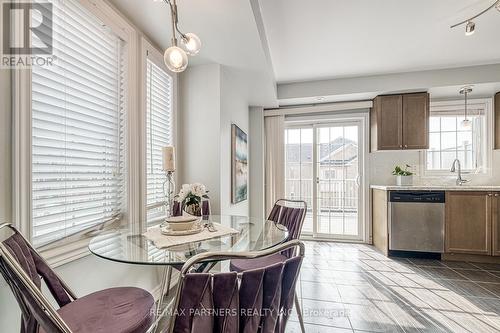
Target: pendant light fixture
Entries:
(466, 123)
(176, 58)
(470, 26)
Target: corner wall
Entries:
(199, 114)
(212, 97)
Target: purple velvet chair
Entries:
(124, 310)
(291, 214)
(256, 301)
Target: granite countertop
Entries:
(436, 187)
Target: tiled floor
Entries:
(353, 288)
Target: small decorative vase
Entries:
(193, 209)
(404, 180)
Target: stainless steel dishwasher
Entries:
(416, 221)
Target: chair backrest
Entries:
(23, 268)
(253, 301)
(291, 214)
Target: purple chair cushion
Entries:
(124, 310)
(240, 265)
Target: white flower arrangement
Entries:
(192, 193)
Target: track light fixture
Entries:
(176, 58)
(470, 26)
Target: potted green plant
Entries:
(403, 176)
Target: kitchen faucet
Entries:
(460, 181)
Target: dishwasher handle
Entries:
(417, 196)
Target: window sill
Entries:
(66, 253)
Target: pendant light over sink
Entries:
(175, 57)
(466, 123)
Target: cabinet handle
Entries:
(400, 146)
(496, 194)
(406, 146)
(489, 194)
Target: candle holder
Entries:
(170, 191)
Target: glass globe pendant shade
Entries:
(192, 43)
(466, 124)
(176, 59)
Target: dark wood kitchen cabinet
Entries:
(468, 220)
(400, 122)
(495, 225)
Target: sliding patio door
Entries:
(324, 164)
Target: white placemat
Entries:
(163, 241)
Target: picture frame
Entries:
(239, 164)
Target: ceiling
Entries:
(227, 29)
(320, 39)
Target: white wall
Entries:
(234, 110)
(199, 129)
(411, 81)
(212, 97)
(256, 148)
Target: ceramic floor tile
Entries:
(479, 276)
(491, 287)
(459, 264)
(442, 273)
(488, 267)
(354, 288)
(294, 327)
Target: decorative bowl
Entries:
(181, 223)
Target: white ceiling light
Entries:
(470, 26)
(176, 58)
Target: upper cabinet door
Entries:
(386, 123)
(416, 121)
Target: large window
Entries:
(78, 125)
(158, 135)
(449, 139)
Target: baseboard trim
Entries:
(470, 257)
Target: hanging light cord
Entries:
(465, 94)
(175, 18)
(476, 16)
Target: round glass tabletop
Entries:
(123, 246)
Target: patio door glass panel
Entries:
(299, 169)
(322, 167)
(337, 181)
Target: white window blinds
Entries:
(159, 134)
(78, 108)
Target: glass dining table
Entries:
(123, 245)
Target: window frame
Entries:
(76, 246)
(488, 145)
(151, 52)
